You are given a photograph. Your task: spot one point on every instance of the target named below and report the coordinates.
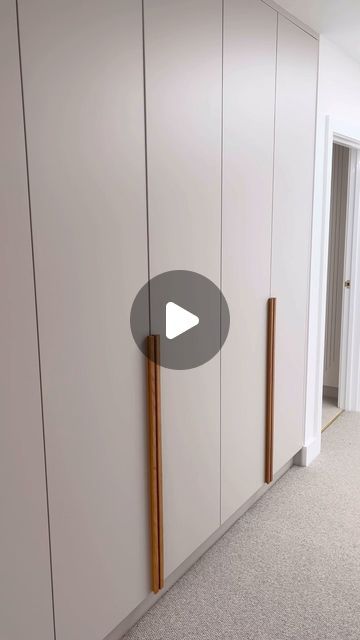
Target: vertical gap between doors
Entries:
(146, 162)
(221, 233)
(274, 148)
(36, 315)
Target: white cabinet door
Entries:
(293, 196)
(25, 582)
(183, 99)
(83, 84)
(249, 104)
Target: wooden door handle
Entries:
(270, 379)
(155, 462)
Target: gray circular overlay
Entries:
(187, 292)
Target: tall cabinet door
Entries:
(293, 195)
(183, 98)
(83, 88)
(25, 582)
(249, 104)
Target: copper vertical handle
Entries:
(270, 376)
(155, 463)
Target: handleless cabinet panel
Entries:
(249, 104)
(25, 581)
(83, 87)
(293, 195)
(183, 101)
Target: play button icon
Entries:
(189, 313)
(178, 320)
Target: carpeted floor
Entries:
(288, 569)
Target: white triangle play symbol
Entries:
(178, 320)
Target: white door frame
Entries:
(332, 130)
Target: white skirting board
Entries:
(309, 452)
(144, 606)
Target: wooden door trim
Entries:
(270, 378)
(155, 463)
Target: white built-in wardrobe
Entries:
(139, 139)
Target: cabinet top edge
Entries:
(289, 16)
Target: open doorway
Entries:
(346, 134)
(336, 285)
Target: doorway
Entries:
(336, 285)
(331, 130)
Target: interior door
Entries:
(83, 89)
(335, 274)
(293, 200)
(25, 582)
(183, 104)
(249, 104)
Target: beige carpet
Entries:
(288, 569)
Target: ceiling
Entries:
(337, 20)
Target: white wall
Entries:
(339, 83)
(338, 97)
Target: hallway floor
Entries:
(289, 569)
(330, 411)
